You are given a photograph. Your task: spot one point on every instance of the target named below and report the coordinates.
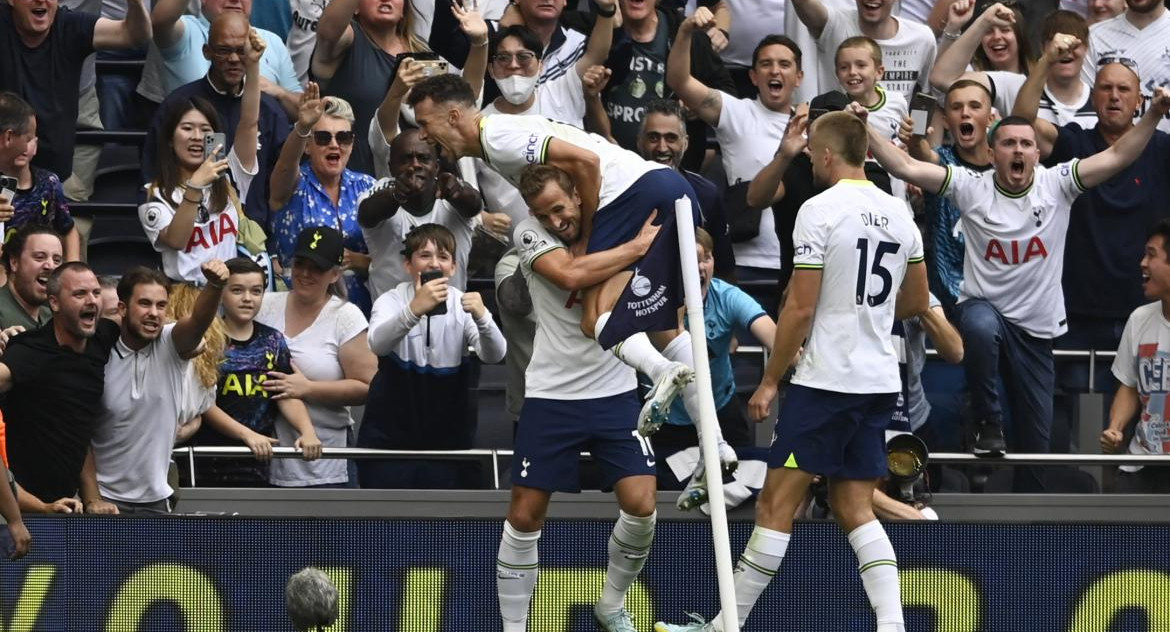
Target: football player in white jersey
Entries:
(1011, 303)
(858, 266)
(578, 397)
(618, 190)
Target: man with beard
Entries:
(30, 256)
(619, 191)
(663, 138)
(416, 193)
(1011, 304)
(1137, 38)
(577, 397)
(54, 376)
(145, 379)
(747, 130)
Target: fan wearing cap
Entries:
(321, 191)
(786, 181)
(332, 363)
(421, 331)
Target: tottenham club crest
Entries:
(640, 285)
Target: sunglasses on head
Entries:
(1112, 59)
(324, 138)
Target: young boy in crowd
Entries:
(859, 69)
(243, 411)
(420, 397)
(729, 313)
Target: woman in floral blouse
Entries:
(321, 191)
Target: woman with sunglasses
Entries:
(321, 191)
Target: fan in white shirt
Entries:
(1015, 223)
(748, 130)
(908, 46)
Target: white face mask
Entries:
(517, 88)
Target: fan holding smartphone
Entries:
(192, 213)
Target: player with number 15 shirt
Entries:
(862, 239)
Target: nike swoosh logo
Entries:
(650, 462)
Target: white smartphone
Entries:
(921, 109)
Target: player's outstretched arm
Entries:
(899, 164)
(914, 295)
(795, 322)
(704, 101)
(571, 273)
(1104, 165)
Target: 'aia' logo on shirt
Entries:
(1000, 251)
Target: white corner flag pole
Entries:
(707, 419)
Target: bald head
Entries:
(1116, 97)
(227, 44)
(228, 24)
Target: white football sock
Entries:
(629, 545)
(757, 566)
(637, 351)
(679, 350)
(879, 574)
(516, 573)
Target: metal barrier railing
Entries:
(942, 458)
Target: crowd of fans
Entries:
(315, 250)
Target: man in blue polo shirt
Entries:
(1108, 224)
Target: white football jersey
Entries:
(565, 364)
(512, 142)
(863, 240)
(1015, 243)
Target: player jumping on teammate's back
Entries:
(618, 191)
(577, 397)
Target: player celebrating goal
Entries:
(855, 246)
(1011, 304)
(618, 191)
(577, 397)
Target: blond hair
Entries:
(181, 303)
